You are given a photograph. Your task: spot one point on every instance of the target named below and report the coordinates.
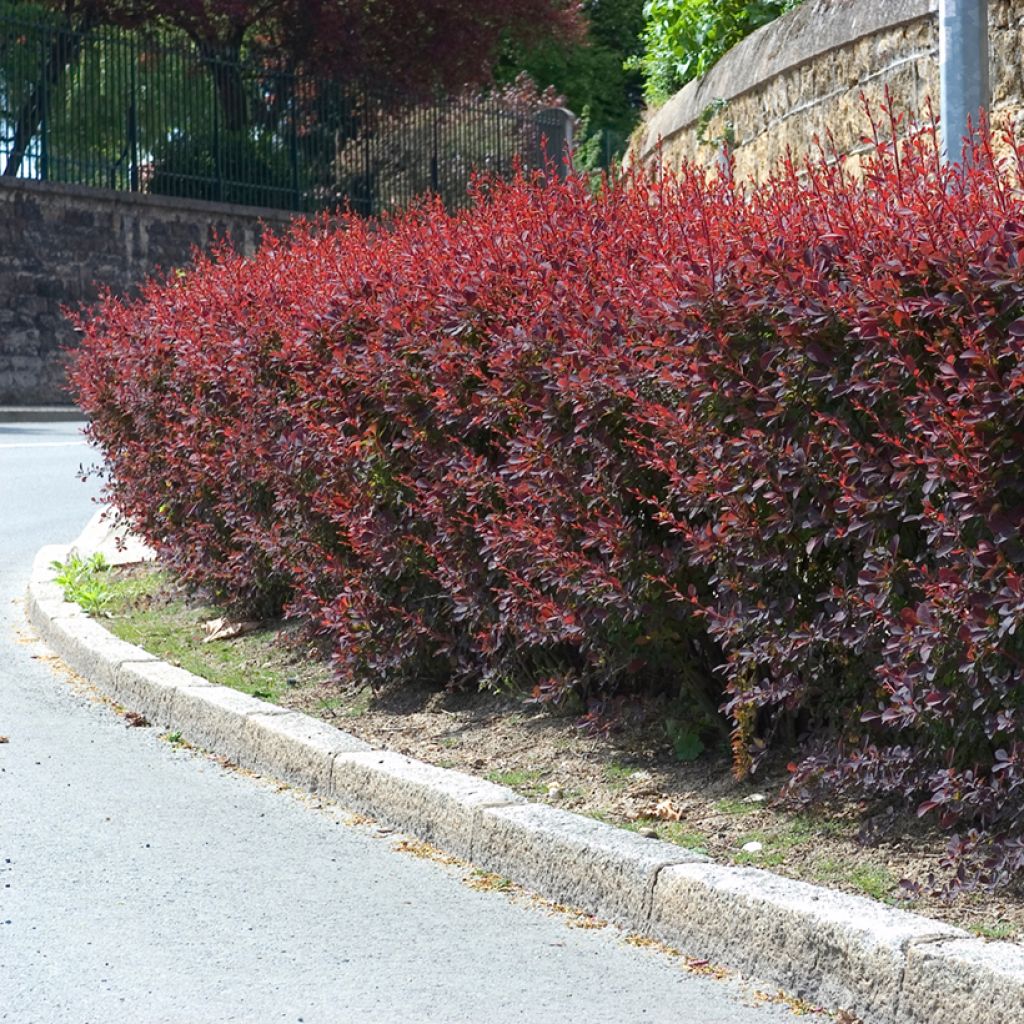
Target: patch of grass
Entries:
(782, 838)
(874, 880)
(358, 705)
(828, 869)
(734, 805)
(524, 780)
(145, 609)
(617, 774)
(672, 832)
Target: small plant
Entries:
(997, 932)
(686, 742)
(84, 582)
(488, 881)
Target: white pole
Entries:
(963, 60)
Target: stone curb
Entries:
(845, 952)
(40, 414)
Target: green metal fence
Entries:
(146, 112)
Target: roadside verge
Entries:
(884, 965)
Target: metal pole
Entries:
(964, 62)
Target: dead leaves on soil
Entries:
(662, 809)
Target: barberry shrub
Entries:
(757, 449)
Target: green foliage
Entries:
(684, 38)
(84, 582)
(592, 76)
(232, 168)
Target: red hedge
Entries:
(680, 436)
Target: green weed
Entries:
(85, 581)
(999, 931)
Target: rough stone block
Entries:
(845, 952)
(45, 612)
(214, 717)
(436, 805)
(295, 747)
(86, 646)
(963, 982)
(151, 689)
(575, 860)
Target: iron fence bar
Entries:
(133, 125)
(44, 152)
(293, 147)
(218, 164)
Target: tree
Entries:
(684, 38)
(420, 44)
(76, 19)
(411, 46)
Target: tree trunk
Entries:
(64, 51)
(224, 59)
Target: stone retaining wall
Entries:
(804, 75)
(60, 243)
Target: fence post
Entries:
(963, 61)
(367, 162)
(554, 128)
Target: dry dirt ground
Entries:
(629, 778)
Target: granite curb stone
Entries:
(575, 860)
(963, 980)
(438, 805)
(828, 947)
(296, 748)
(889, 966)
(151, 689)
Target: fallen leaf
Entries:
(136, 720)
(222, 629)
(667, 810)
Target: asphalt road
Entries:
(144, 884)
